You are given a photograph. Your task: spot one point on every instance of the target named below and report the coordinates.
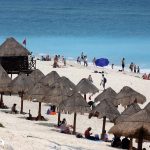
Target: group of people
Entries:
(82, 58)
(46, 58)
(134, 68)
(146, 77)
(56, 59)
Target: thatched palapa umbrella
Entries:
(59, 90)
(132, 109)
(104, 110)
(135, 126)
(85, 86)
(128, 96)
(40, 93)
(21, 84)
(4, 81)
(36, 76)
(50, 78)
(108, 94)
(74, 103)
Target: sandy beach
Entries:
(23, 134)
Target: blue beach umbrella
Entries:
(102, 62)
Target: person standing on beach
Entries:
(123, 64)
(85, 61)
(94, 59)
(103, 81)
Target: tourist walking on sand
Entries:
(123, 64)
(103, 81)
(85, 61)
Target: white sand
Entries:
(22, 134)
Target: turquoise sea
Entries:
(100, 28)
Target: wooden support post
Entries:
(59, 115)
(21, 111)
(74, 123)
(103, 128)
(140, 139)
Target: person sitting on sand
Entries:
(30, 116)
(145, 76)
(87, 134)
(13, 109)
(105, 138)
(64, 128)
(116, 142)
(125, 143)
(90, 79)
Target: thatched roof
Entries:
(50, 78)
(36, 76)
(128, 96)
(22, 83)
(12, 48)
(85, 86)
(74, 103)
(39, 92)
(147, 107)
(4, 80)
(106, 109)
(59, 90)
(132, 125)
(132, 109)
(108, 94)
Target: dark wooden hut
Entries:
(14, 57)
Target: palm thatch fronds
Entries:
(12, 48)
(128, 96)
(135, 126)
(39, 92)
(74, 103)
(4, 81)
(104, 110)
(50, 78)
(108, 94)
(36, 76)
(21, 84)
(132, 109)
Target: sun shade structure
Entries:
(50, 78)
(14, 57)
(108, 94)
(85, 86)
(128, 96)
(104, 110)
(4, 81)
(147, 107)
(21, 84)
(75, 103)
(36, 76)
(135, 126)
(40, 93)
(59, 90)
(132, 109)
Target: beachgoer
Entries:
(123, 64)
(55, 65)
(145, 76)
(94, 59)
(82, 56)
(138, 69)
(13, 109)
(105, 138)
(103, 81)
(48, 111)
(116, 141)
(125, 143)
(64, 128)
(30, 116)
(134, 68)
(85, 61)
(87, 134)
(90, 79)
(131, 66)
(148, 77)
(112, 66)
